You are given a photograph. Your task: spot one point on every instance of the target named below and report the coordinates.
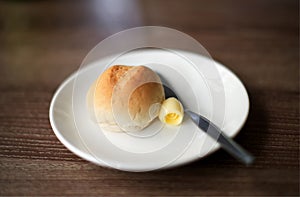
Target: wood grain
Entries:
(42, 42)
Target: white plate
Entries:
(158, 146)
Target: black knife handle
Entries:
(226, 142)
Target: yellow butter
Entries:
(171, 112)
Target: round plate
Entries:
(158, 146)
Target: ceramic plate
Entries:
(158, 146)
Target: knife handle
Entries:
(226, 142)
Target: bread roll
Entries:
(126, 98)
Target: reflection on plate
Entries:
(158, 146)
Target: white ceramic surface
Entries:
(158, 146)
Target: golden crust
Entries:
(126, 89)
(105, 85)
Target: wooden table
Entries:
(42, 42)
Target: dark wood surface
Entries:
(42, 42)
